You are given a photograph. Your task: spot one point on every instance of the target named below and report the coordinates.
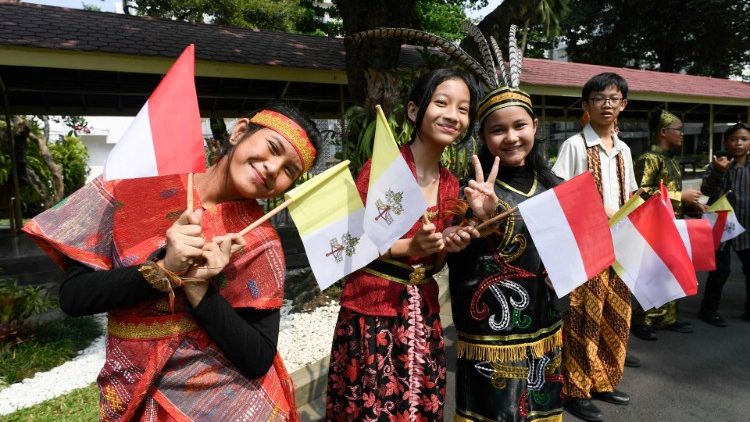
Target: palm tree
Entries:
(526, 13)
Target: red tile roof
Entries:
(31, 25)
(566, 74)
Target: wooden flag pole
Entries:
(496, 218)
(266, 217)
(190, 192)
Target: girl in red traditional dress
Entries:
(206, 352)
(388, 355)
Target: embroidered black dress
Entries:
(509, 332)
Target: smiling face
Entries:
(262, 165)
(509, 134)
(604, 106)
(447, 114)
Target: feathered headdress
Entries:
(504, 90)
(423, 38)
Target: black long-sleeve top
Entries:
(246, 336)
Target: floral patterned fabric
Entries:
(386, 368)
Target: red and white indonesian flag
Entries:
(722, 218)
(698, 239)
(569, 227)
(394, 199)
(166, 136)
(651, 257)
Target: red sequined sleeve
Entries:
(363, 181)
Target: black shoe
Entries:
(645, 332)
(680, 326)
(584, 409)
(614, 397)
(632, 361)
(714, 319)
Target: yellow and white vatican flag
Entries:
(394, 200)
(723, 220)
(328, 213)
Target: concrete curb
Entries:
(312, 379)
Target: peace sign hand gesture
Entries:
(480, 193)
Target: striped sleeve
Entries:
(713, 184)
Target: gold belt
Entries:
(151, 328)
(400, 272)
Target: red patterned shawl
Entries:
(371, 295)
(161, 365)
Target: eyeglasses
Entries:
(600, 101)
(676, 129)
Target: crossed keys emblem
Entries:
(392, 204)
(347, 246)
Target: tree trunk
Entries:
(368, 62)
(525, 36)
(383, 88)
(23, 136)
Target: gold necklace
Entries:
(528, 194)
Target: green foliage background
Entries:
(71, 153)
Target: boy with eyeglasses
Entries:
(595, 328)
(652, 168)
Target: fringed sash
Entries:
(488, 348)
(595, 165)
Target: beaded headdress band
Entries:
(666, 119)
(291, 131)
(505, 92)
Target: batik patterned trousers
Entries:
(595, 335)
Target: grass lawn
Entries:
(78, 405)
(53, 344)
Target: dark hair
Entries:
(227, 149)
(734, 128)
(536, 159)
(601, 81)
(424, 87)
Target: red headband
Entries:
(291, 131)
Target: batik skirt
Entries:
(388, 368)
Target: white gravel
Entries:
(303, 338)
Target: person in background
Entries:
(729, 173)
(595, 328)
(651, 169)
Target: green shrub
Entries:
(71, 153)
(18, 303)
